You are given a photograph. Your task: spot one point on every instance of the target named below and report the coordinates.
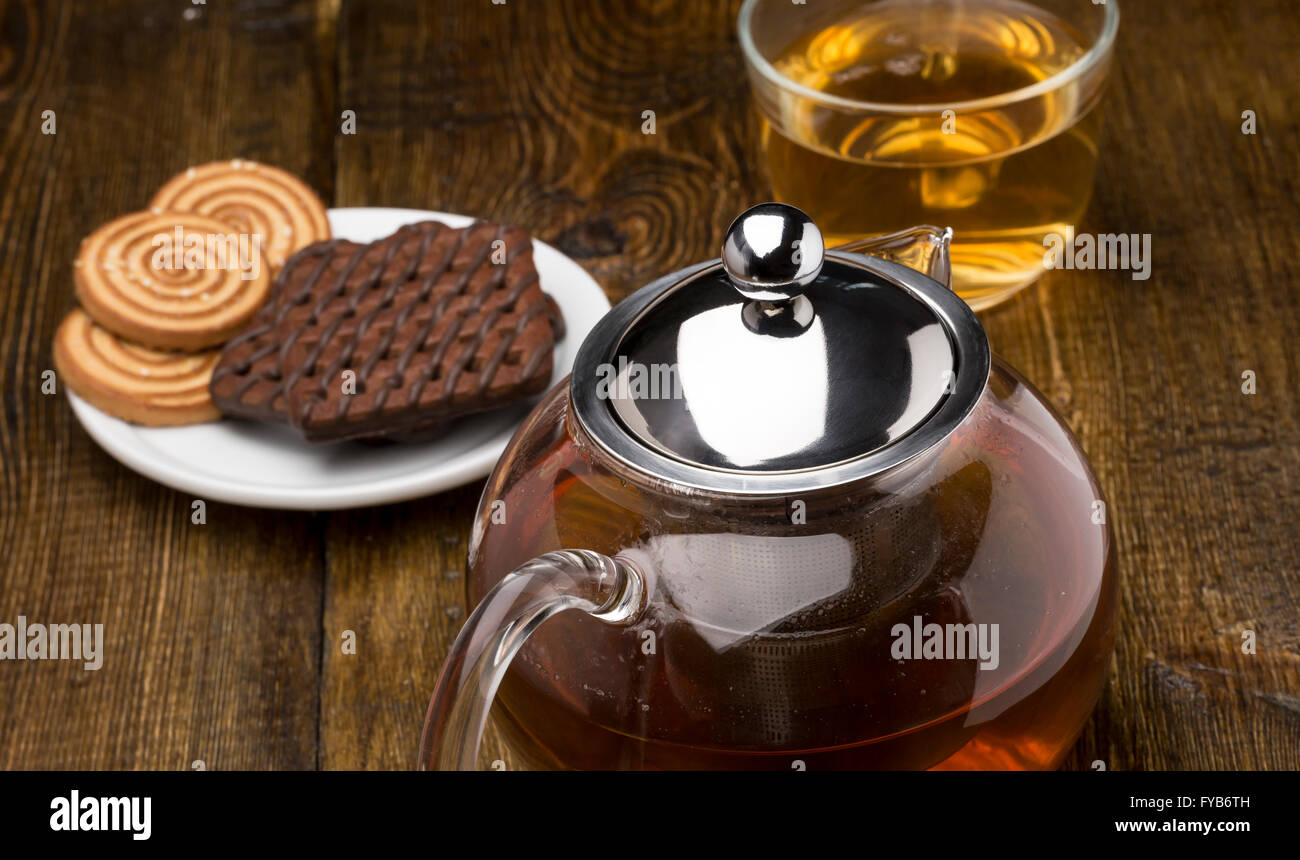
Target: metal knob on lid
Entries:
(773, 252)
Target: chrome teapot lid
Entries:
(779, 368)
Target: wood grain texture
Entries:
(226, 637)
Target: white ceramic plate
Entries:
(268, 466)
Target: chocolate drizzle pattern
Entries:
(247, 380)
(434, 322)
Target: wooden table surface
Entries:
(223, 639)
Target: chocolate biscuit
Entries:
(442, 323)
(432, 323)
(246, 381)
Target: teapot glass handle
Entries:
(610, 589)
(923, 248)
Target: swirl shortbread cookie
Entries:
(171, 280)
(135, 383)
(252, 198)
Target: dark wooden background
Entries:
(223, 639)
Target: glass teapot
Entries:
(787, 512)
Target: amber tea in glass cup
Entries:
(979, 115)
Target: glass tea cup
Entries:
(980, 115)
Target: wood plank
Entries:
(212, 631)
